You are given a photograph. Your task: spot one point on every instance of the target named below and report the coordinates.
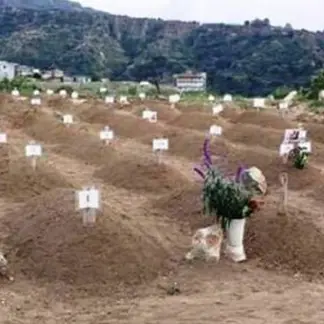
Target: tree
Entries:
(156, 69)
(316, 85)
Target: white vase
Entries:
(235, 237)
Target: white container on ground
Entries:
(235, 239)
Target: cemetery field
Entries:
(123, 269)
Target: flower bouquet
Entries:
(231, 201)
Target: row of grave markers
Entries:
(173, 99)
(89, 198)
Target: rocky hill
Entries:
(41, 4)
(250, 59)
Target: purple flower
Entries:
(196, 169)
(239, 172)
(207, 157)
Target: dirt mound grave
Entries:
(4, 159)
(182, 143)
(270, 163)
(49, 242)
(197, 121)
(291, 243)
(123, 124)
(230, 113)
(164, 111)
(58, 103)
(20, 182)
(307, 179)
(228, 157)
(187, 107)
(139, 174)
(73, 142)
(184, 206)
(17, 113)
(263, 119)
(315, 131)
(254, 135)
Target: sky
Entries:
(306, 14)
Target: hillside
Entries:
(41, 4)
(250, 59)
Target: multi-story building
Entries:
(189, 81)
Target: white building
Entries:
(82, 79)
(191, 81)
(25, 71)
(8, 70)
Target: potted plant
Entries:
(231, 201)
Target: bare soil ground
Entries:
(123, 269)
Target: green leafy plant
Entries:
(300, 159)
(24, 85)
(224, 198)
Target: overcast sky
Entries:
(308, 14)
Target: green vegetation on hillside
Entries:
(251, 59)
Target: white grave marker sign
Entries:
(150, 115)
(227, 98)
(259, 103)
(123, 99)
(142, 95)
(283, 105)
(89, 198)
(33, 151)
(173, 99)
(295, 135)
(215, 130)
(306, 146)
(217, 109)
(285, 148)
(74, 95)
(160, 145)
(68, 119)
(63, 93)
(107, 135)
(35, 101)
(109, 100)
(153, 117)
(211, 98)
(88, 203)
(3, 138)
(49, 92)
(15, 93)
(146, 114)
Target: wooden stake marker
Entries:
(283, 178)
